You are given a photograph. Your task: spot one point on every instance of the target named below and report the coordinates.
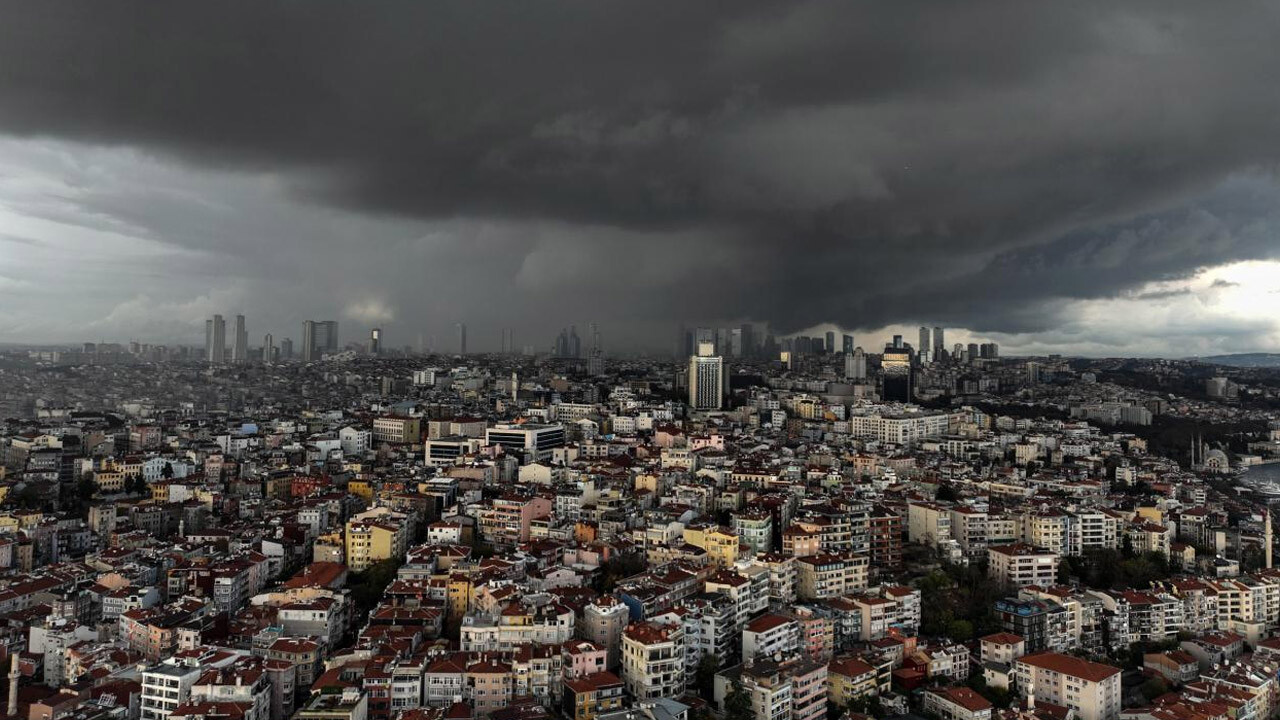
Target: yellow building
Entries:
(109, 481)
(361, 488)
(460, 594)
(849, 679)
(720, 543)
(369, 542)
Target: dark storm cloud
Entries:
(860, 163)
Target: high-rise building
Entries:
(830, 345)
(268, 349)
(990, 350)
(375, 341)
(327, 335)
(895, 373)
(925, 343)
(897, 342)
(240, 342)
(286, 349)
(706, 379)
(723, 341)
(215, 340)
(748, 340)
(596, 346)
(846, 342)
(575, 343)
(309, 341)
(735, 342)
(939, 344)
(462, 338)
(973, 352)
(855, 365)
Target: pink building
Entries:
(583, 658)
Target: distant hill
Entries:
(1244, 360)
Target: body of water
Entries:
(1267, 473)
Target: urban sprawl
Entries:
(749, 528)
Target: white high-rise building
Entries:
(215, 339)
(855, 365)
(706, 379)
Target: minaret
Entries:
(1266, 536)
(13, 684)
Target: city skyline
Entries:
(955, 187)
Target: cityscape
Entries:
(546, 360)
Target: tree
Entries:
(737, 704)
(705, 676)
(1153, 688)
(166, 472)
(368, 585)
(946, 493)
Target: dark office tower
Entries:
(973, 352)
(327, 335)
(462, 338)
(830, 346)
(575, 343)
(560, 348)
(895, 374)
(286, 349)
(897, 342)
(924, 345)
(735, 342)
(990, 350)
(748, 340)
(375, 341)
(240, 343)
(723, 340)
(215, 340)
(846, 343)
(939, 344)
(268, 349)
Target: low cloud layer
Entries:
(988, 165)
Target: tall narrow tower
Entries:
(13, 685)
(1267, 537)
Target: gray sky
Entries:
(1091, 177)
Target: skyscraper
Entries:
(240, 343)
(846, 342)
(375, 341)
(855, 365)
(706, 379)
(925, 345)
(895, 373)
(309, 340)
(897, 342)
(939, 343)
(268, 349)
(462, 338)
(575, 343)
(327, 336)
(830, 346)
(748, 340)
(286, 349)
(215, 340)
